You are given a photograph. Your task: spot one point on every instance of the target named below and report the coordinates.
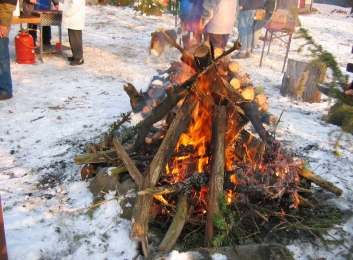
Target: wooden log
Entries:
(195, 180)
(235, 83)
(261, 99)
(137, 100)
(186, 57)
(233, 66)
(129, 164)
(157, 114)
(301, 79)
(251, 111)
(249, 148)
(215, 187)
(176, 226)
(99, 157)
(307, 174)
(264, 107)
(248, 93)
(142, 207)
(303, 202)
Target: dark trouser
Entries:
(46, 34)
(218, 40)
(5, 72)
(75, 39)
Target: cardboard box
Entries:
(279, 18)
(260, 14)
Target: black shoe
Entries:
(70, 58)
(77, 62)
(5, 96)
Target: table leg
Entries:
(41, 42)
(263, 48)
(287, 51)
(60, 39)
(269, 45)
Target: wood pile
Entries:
(200, 150)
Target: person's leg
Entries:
(216, 41)
(5, 71)
(46, 35)
(75, 39)
(242, 30)
(33, 32)
(249, 29)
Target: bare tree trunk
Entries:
(300, 81)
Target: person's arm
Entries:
(349, 90)
(74, 6)
(207, 13)
(6, 12)
(56, 4)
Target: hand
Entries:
(33, 2)
(202, 24)
(349, 92)
(240, 7)
(3, 30)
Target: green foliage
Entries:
(120, 2)
(149, 7)
(326, 60)
(325, 219)
(226, 228)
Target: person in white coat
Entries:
(73, 18)
(219, 16)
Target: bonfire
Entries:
(202, 141)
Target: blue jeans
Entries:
(245, 28)
(5, 73)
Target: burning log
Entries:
(157, 114)
(215, 190)
(140, 215)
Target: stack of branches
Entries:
(230, 98)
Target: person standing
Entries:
(185, 8)
(218, 17)
(6, 11)
(247, 10)
(74, 16)
(28, 7)
(194, 21)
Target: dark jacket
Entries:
(251, 4)
(11, 2)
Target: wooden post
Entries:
(300, 80)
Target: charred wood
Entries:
(175, 228)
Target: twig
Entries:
(95, 205)
(279, 120)
(37, 119)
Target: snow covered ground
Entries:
(57, 108)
